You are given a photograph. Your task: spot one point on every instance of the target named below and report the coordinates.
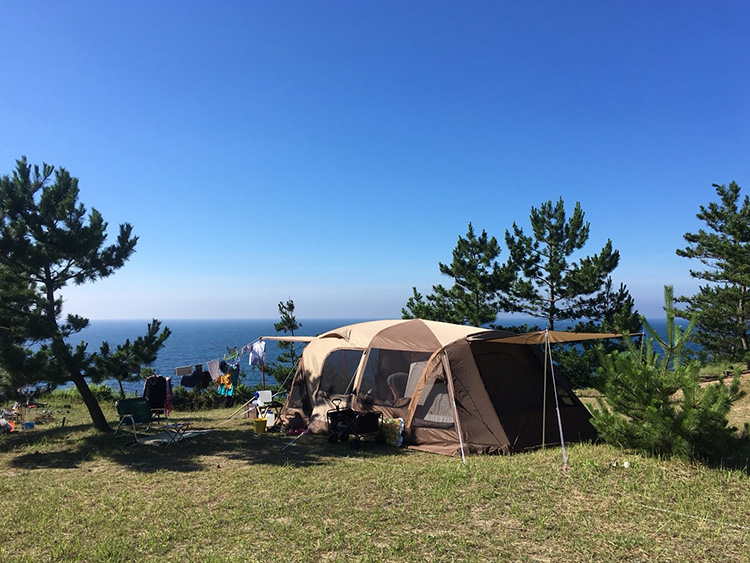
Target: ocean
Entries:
(200, 341)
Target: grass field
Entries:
(71, 494)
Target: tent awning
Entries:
(542, 336)
(289, 338)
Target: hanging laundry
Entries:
(168, 401)
(224, 385)
(227, 383)
(183, 370)
(258, 353)
(193, 379)
(158, 391)
(206, 380)
(213, 369)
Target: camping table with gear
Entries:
(345, 423)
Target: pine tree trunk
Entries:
(97, 416)
(743, 320)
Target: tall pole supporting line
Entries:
(544, 396)
(548, 354)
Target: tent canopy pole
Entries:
(452, 391)
(544, 398)
(548, 355)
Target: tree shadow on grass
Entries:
(73, 446)
(738, 460)
(241, 447)
(308, 449)
(50, 448)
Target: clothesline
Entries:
(256, 349)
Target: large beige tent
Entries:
(458, 388)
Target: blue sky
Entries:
(333, 152)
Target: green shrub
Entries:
(185, 399)
(101, 391)
(655, 403)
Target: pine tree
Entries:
(723, 303)
(46, 242)
(478, 279)
(615, 312)
(552, 287)
(124, 362)
(290, 353)
(655, 402)
(547, 285)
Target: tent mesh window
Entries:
(338, 371)
(391, 375)
(514, 381)
(434, 406)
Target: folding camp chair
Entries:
(133, 413)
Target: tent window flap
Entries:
(338, 371)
